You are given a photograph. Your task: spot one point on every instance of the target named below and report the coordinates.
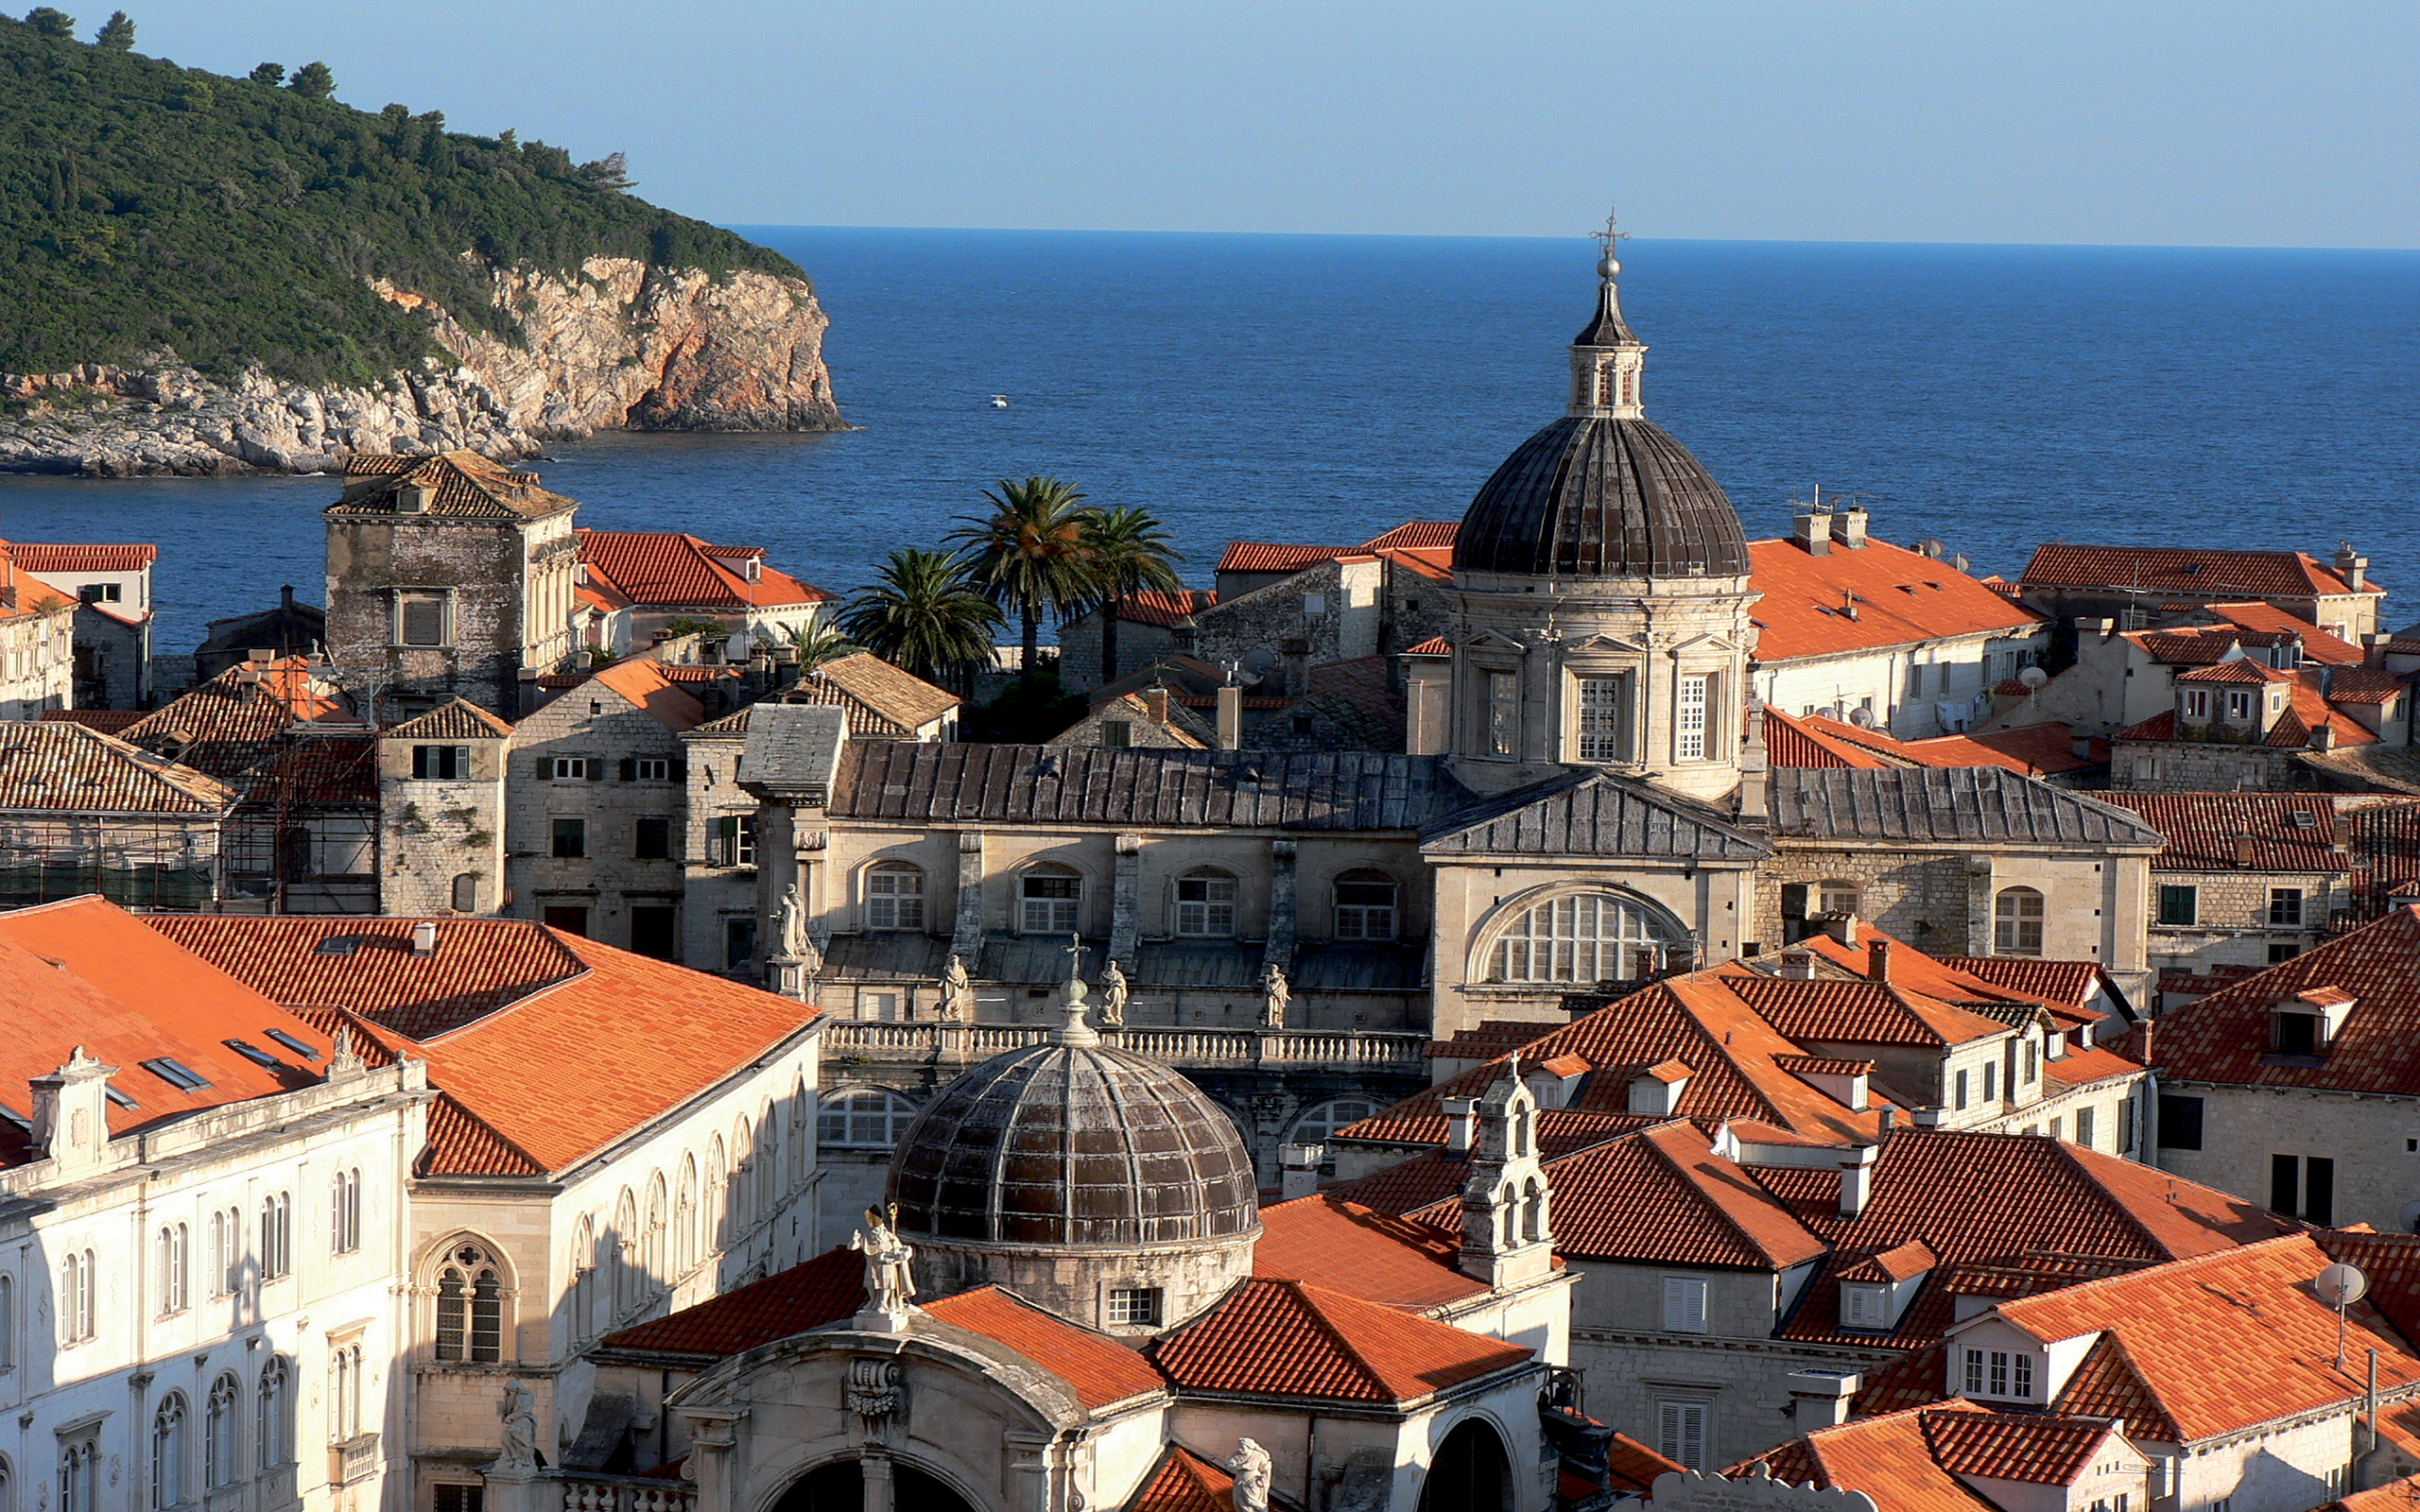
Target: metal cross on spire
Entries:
(1609, 235)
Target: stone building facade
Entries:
(441, 780)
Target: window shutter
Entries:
(595, 767)
(545, 769)
(630, 768)
(679, 771)
(1681, 1432)
(1684, 1305)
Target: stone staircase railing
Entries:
(1203, 1049)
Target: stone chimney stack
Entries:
(71, 1123)
(1755, 770)
(425, 938)
(1813, 532)
(1300, 1174)
(1231, 716)
(1848, 528)
(1857, 1179)
(1461, 1122)
(2352, 566)
(1878, 961)
(1819, 1399)
(1797, 966)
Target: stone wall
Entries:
(2194, 766)
(2231, 922)
(486, 565)
(435, 831)
(2369, 1136)
(612, 881)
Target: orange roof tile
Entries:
(2225, 1037)
(1865, 1013)
(2318, 644)
(465, 484)
(2185, 568)
(1162, 607)
(1274, 557)
(1331, 1241)
(1889, 1458)
(1911, 969)
(366, 965)
(1102, 1370)
(461, 719)
(58, 766)
(902, 699)
(1901, 596)
(1793, 741)
(2035, 750)
(1434, 646)
(2013, 1446)
(2205, 831)
(226, 725)
(1418, 535)
(1898, 1264)
(63, 557)
(2395, 1496)
(1633, 1467)
(1184, 1482)
(2059, 983)
(1285, 1338)
(815, 1292)
(1430, 1177)
(671, 568)
(2236, 669)
(644, 682)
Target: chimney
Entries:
(1461, 1125)
(1155, 703)
(2374, 648)
(2324, 738)
(1755, 800)
(8, 596)
(1857, 1179)
(1841, 927)
(2138, 1047)
(755, 573)
(425, 938)
(2352, 566)
(1813, 531)
(1877, 961)
(2243, 849)
(71, 1121)
(1848, 603)
(1798, 966)
(1231, 716)
(285, 597)
(2081, 747)
(414, 498)
(1300, 1174)
(1848, 528)
(1819, 1399)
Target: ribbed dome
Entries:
(1592, 497)
(1073, 1145)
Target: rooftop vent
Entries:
(177, 1073)
(300, 1048)
(425, 938)
(2303, 818)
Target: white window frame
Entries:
(1132, 1307)
(894, 897)
(1565, 939)
(1050, 914)
(1602, 730)
(862, 1118)
(444, 600)
(1680, 1431)
(1684, 1304)
(1501, 713)
(1692, 716)
(1206, 915)
(1366, 920)
(2015, 932)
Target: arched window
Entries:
(170, 1260)
(344, 1214)
(2016, 923)
(744, 1171)
(470, 1307)
(1317, 1123)
(1365, 905)
(8, 1487)
(466, 892)
(344, 1394)
(1050, 901)
(684, 1218)
(1836, 897)
(623, 1249)
(651, 1234)
(1578, 937)
(76, 1283)
(169, 1451)
(862, 1118)
(716, 1197)
(226, 1252)
(1206, 904)
(895, 896)
(1534, 1212)
(78, 1462)
(218, 1432)
(583, 1279)
(8, 1333)
(277, 1235)
(274, 1430)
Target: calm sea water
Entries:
(1323, 387)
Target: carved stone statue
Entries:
(958, 992)
(1114, 993)
(789, 924)
(1275, 995)
(888, 1282)
(1251, 1468)
(519, 1410)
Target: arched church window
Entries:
(470, 1307)
(1576, 937)
(1206, 904)
(1050, 901)
(1365, 905)
(2016, 923)
(863, 1118)
(1533, 1212)
(895, 896)
(1318, 1122)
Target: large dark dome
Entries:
(1591, 496)
(1073, 1145)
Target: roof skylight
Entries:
(176, 1073)
(291, 1043)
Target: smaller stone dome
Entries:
(1599, 497)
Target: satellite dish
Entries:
(1863, 719)
(2033, 677)
(2340, 1285)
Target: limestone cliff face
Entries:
(620, 345)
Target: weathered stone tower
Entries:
(440, 812)
(1601, 589)
(448, 577)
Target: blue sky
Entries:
(2119, 121)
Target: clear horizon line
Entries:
(737, 226)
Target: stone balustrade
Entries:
(1206, 1049)
(585, 1492)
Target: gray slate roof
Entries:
(1147, 789)
(1933, 805)
(793, 748)
(1592, 814)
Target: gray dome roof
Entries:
(1591, 496)
(1073, 1145)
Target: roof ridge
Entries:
(1326, 1325)
(474, 1115)
(1698, 1192)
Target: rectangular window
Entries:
(2180, 1121)
(1681, 1432)
(1975, 1372)
(1205, 905)
(1503, 714)
(441, 763)
(652, 839)
(2126, 1125)
(1134, 1306)
(101, 593)
(2238, 706)
(2285, 907)
(570, 837)
(2319, 1191)
(1999, 1386)
(1117, 734)
(1051, 905)
(2285, 1184)
(570, 921)
(461, 1498)
(735, 840)
(2180, 905)
(651, 769)
(655, 932)
(2283, 950)
(1601, 719)
(2021, 1377)
(2196, 704)
(2087, 1121)
(1684, 1305)
(894, 898)
(1689, 719)
(1991, 1082)
(1365, 910)
(738, 943)
(2298, 1034)
(571, 768)
(421, 617)
(1958, 1097)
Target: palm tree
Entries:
(1029, 554)
(921, 613)
(1131, 553)
(819, 644)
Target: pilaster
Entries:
(1282, 905)
(966, 940)
(1126, 904)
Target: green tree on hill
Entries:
(51, 22)
(270, 74)
(314, 81)
(116, 34)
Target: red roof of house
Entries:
(2036, 750)
(1865, 1013)
(1160, 607)
(1416, 535)
(1183, 1481)
(108, 721)
(227, 724)
(1889, 1458)
(646, 682)
(1331, 1241)
(1274, 557)
(1102, 1370)
(2014, 1445)
(2070, 985)
(2186, 570)
(1434, 646)
(62, 556)
(1900, 597)
(2318, 644)
(2206, 830)
(822, 1290)
(61, 767)
(1633, 1467)
(1431, 1175)
(674, 570)
(1287, 1338)
(1899, 1262)
(2236, 669)
(1793, 741)
(2226, 1037)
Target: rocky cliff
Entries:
(620, 345)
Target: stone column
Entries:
(1029, 1471)
(966, 942)
(516, 1490)
(876, 1469)
(1978, 905)
(711, 1435)
(1126, 904)
(1281, 905)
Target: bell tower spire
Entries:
(1607, 360)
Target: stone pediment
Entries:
(1594, 814)
(1495, 640)
(1718, 642)
(1601, 642)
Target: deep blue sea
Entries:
(1323, 387)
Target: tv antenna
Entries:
(2340, 1286)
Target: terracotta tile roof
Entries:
(2013, 1446)
(32, 596)
(2395, 1496)
(1434, 646)
(1820, 1066)
(2225, 1036)
(815, 1292)
(1431, 1175)
(1911, 968)
(1889, 1458)
(1901, 596)
(2318, 644)
(1897, 1263)
(1416, 535)
(85, 971)
(2392, 1263)
(462, 1144)
(332, 770)
(1161, 606)
(1660, 1196)
(2365, 685)
(108, 721)
(56, 767)
(62, 556)
(1865, 1013)
(1793, 741)
(1102, 1370)
(467, 486)
(458, 720)
(2236, 669)
(2106, 1384)
(549, 1071)
(670, 569)
(1272, 556)
(2185, 568)
(647, 683)
(2228, 1340)
(2035, 750)
(1633, 1467)
(2200, 645)
(904, 699)
(1184, 1482)
(1331, 1242)
(226, 725)
(1285, 1338)
(2060, 984)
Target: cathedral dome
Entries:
(1073, 1145)
(1603, 496)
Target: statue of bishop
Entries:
(1114, 993)
(1276, 996)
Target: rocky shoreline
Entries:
(622, 345)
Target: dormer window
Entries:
(1999, 1373)
(2307, 1023)
(2194, 703)
(2298, 1034)
(1866, 1307)
(2238, 706)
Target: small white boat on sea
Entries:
(999, 401)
